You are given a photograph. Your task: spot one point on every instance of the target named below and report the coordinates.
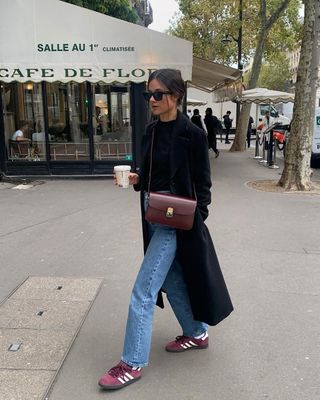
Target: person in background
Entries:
(249, 131)
(197, 119)
(21, 133)
(267, 121)
(227, 124)
(98, 123)
(183, 264)
(260, 125)
(214, 127)
(189, 113)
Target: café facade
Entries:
(76, 77)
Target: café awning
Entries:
(50, 40)
(222, 81)
(209, 76)
(58, 41)
(196, 102)
(263, 95)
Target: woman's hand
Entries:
(133, 178)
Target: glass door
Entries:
(111, 122)
(68, 121)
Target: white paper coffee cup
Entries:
(122, 175)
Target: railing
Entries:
(268, 140)
(109, 150)
(103, 150)
(113, 150)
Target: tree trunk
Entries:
(239, 143)
(296, 172)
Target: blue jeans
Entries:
(159, 269)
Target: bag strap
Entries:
(151, 157)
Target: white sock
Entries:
(200, 336)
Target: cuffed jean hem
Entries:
(134, 365)
(194, 334)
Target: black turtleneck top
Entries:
(160, 174)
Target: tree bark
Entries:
(296, 172)
(239, 142)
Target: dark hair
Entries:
(228, 112)
(196, 111)
(209, 111)
(171, 79)
(23, 123)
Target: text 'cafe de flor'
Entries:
(74, 87)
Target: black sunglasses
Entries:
(156, 95)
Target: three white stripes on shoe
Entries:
(127, 377)
(192, 344)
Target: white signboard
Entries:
(316, 133)
(49, 40)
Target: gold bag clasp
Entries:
(169, 213)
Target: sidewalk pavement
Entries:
(269, 248)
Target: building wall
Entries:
(294, 58)
(144, 10)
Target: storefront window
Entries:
(111, 122)
(23, 121)
(67, 134)
(68, 121)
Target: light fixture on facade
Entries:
(29, 86)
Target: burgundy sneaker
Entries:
(119, 376)
(184, 343)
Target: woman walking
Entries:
(183, 264)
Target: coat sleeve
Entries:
(137, 187)
(201, 172)
(204, 127)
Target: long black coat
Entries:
(214, 127)
(189, 164)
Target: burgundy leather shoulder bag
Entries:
(169, 209)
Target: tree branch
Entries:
(276, 14)
(263, 11)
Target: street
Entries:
(268, 246)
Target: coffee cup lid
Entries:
(122, 168)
